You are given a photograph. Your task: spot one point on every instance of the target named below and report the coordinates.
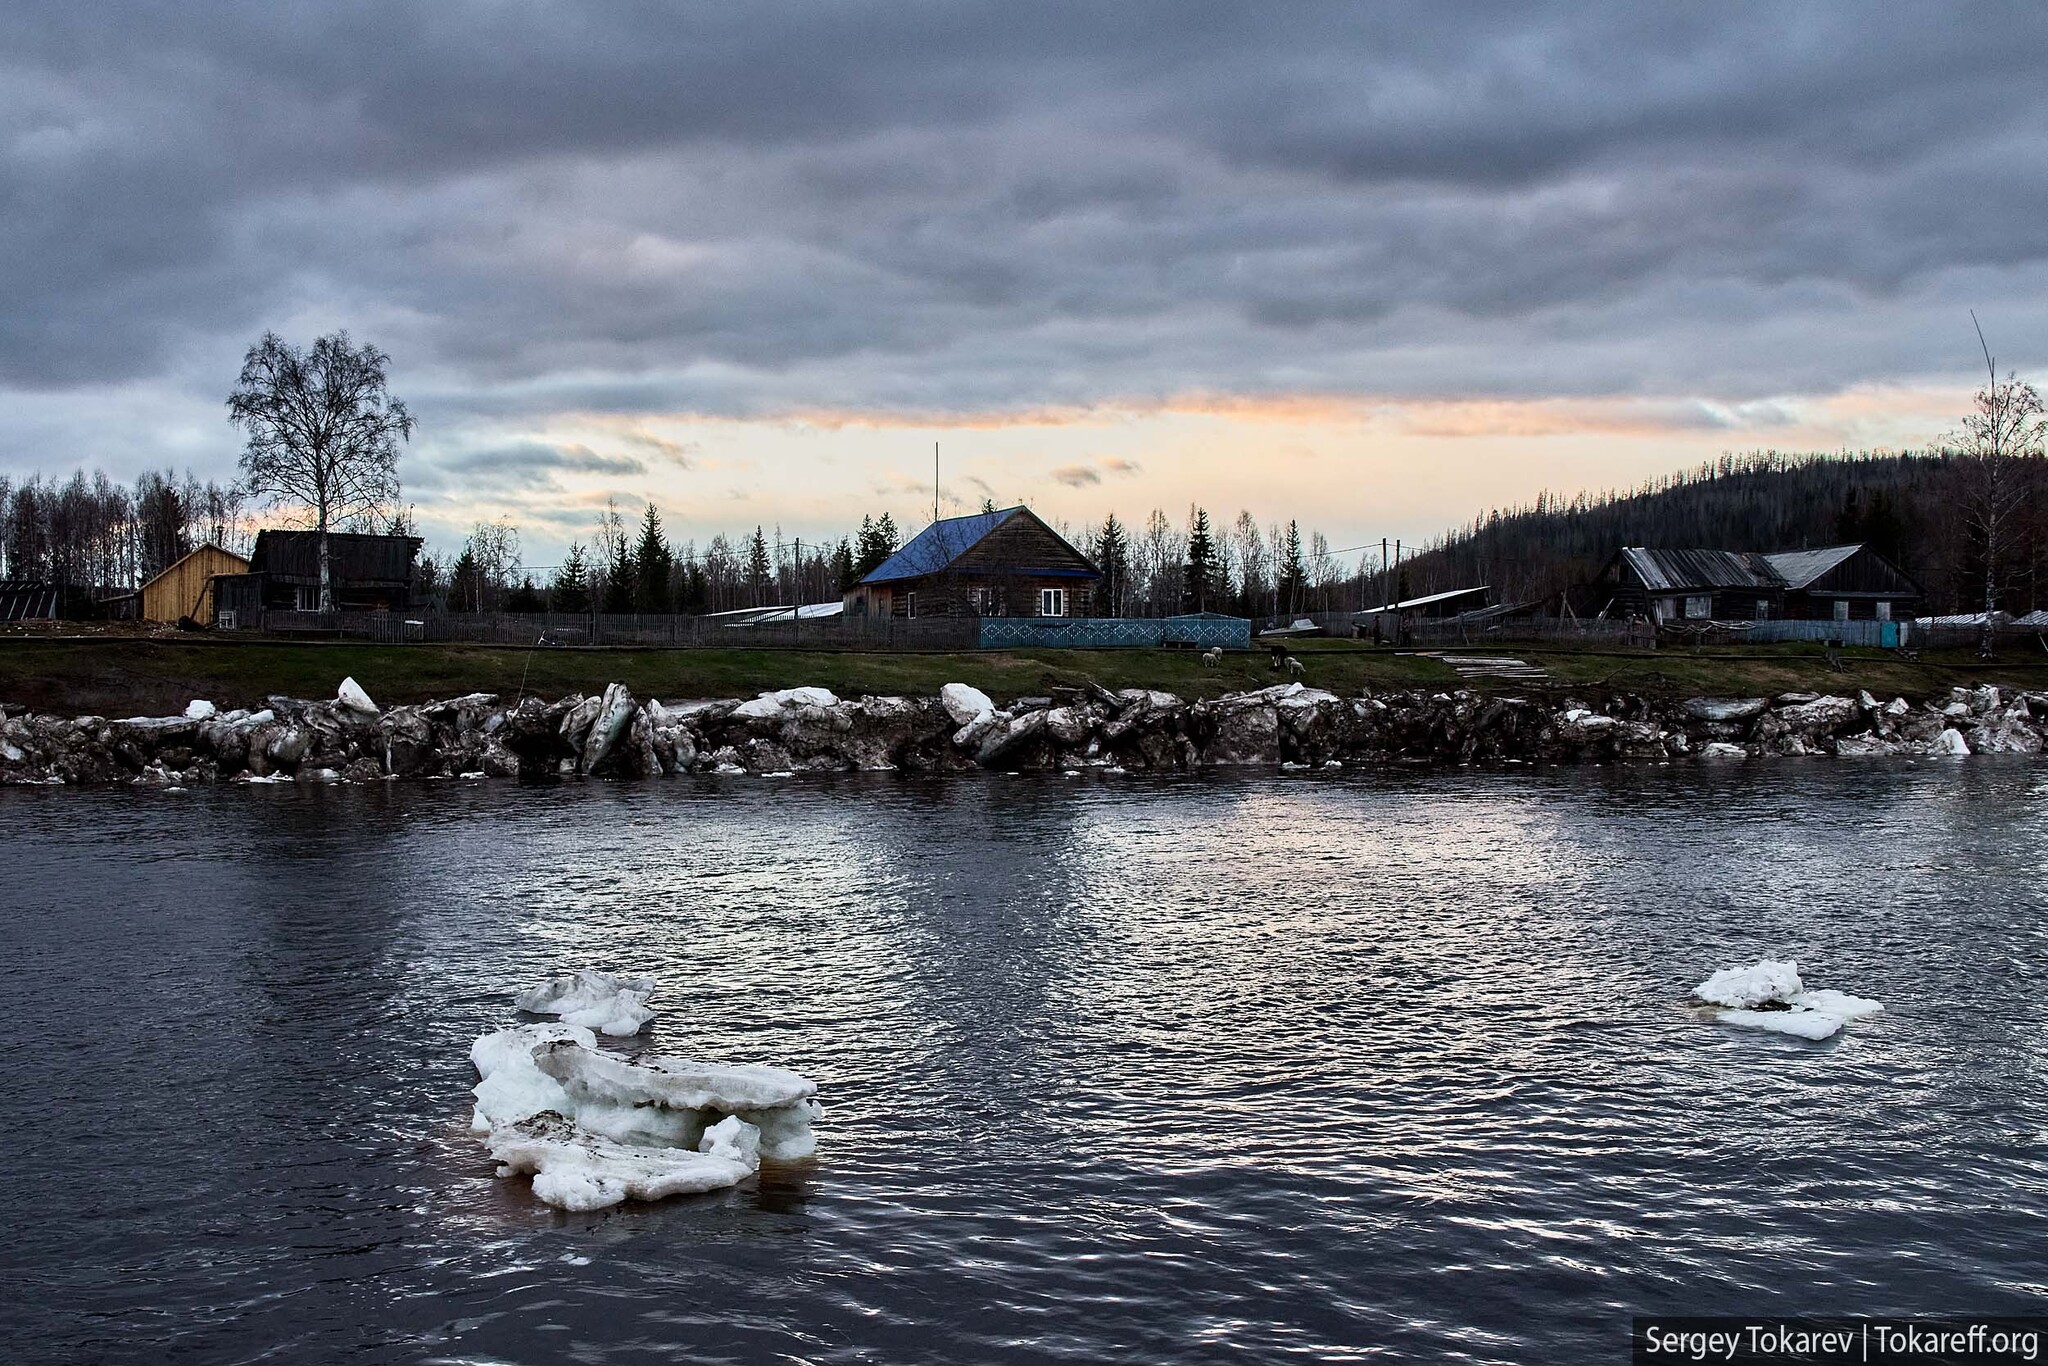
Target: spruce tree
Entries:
(1293, 573)
(653, 566)
(618, 578)
(570, 591)
(843, 566)
(1113, 558)
(757, 567)
(525, 598)
(1198, 581)
(466, 584)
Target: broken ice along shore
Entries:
(594, 1129)
(799, 730)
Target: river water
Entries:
(1200, 1069)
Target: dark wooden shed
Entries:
(369, 573)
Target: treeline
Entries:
(88, 533)
(1162, 567)
(1912, 508)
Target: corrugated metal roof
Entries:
(938, 545)
(1671, 571)
(1799, 568)
(1422, 601)
(27, 600)
(946, 540)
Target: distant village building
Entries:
(185, 588)
(369, 574)
(1006, 563)
(1839, 583)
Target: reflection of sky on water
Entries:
(1183, 1068)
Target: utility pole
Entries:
(935, 481)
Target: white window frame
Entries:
(1699, 606)
(1052, 602)
(1664, 608)
(910, 604)
(1841, 609)
(1883, 610)
(1763, 609)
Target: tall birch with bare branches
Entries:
(323, 432)
(1997, 452)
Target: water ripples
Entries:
(1175, 1070)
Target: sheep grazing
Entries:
(1294, 669)
(1212, 658)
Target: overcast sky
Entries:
(1374, 266)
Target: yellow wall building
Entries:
(186, 588)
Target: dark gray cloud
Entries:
(757, 208)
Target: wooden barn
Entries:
(369, 574)
(1006, 563)
(1842, 583)
(185, 589)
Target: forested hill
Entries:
(1765, 501)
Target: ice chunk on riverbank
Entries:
(199, 709)
(592, 999)
(511, 1088)
(575, 1169)
(773, 703)
(1769, 995)
(963, 703)
(674, 1100)
(352, 696)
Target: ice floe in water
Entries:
(596, 1000)
(595, 1129)
(511, 1088)
(1769, 995)
(575, 1169)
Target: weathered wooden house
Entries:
(1842, 583)
(185, 588)
(369, 574)
(1006, 563)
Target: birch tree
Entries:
(1997, 453)
(323, 432)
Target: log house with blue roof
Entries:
(1006, 563)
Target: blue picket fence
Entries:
(1112, 633)
(1878, 634)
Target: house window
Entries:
(910, 604)
(1841, 609)
(983, 601)
(1052, 602)
(1763, 609)
(1884, 611)
(1665, 609)
(1699, 608)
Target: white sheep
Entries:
(1212, 658)
(1294, 668)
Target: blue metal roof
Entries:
(938, 545)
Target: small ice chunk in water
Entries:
(575, 1169)
(1769, 995)
(596, 1000)
(676, 1100)
(1758, 984)
(512, 1088)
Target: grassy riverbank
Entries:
(137, 676)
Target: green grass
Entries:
(143, 676)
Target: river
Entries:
(1184, 1070)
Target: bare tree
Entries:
(323, 432)
(1994, 450)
